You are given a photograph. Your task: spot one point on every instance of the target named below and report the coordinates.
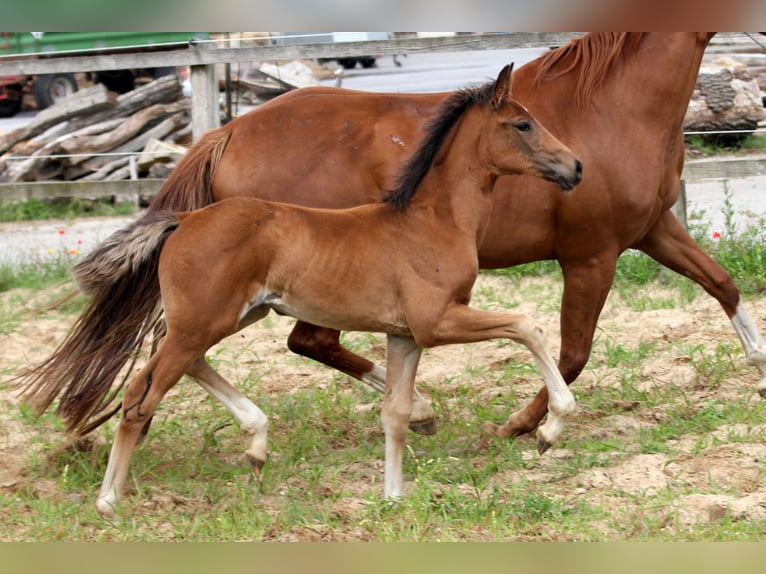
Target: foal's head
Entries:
(516, 143)
(519, 145)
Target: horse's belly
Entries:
(342, 318)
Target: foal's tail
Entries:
(121, 276)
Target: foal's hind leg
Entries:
(672, 246)
(143, 394)
(252, 421)
(323, 345)
(158, 333)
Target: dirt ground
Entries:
(738, 466)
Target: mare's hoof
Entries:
(542, 445)
(762, 392)
(425, 427)
(490, 429)
(256, 465)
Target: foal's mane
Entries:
(591, 57)
(415, 168)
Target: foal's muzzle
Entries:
(569, 182)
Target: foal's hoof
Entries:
(542, 445)
(425, 427)
(106, 507)
(762, 391)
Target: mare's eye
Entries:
(523, 126)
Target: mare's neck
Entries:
(667, 66)
(651, 84)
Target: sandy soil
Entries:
(735, 465)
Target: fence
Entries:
(202, 58)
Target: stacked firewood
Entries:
(726, 97)
(93, 134)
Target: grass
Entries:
(35, 276)
(661, 420)
(35, 209)
(189, 482)
(712, 147)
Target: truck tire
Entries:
(368, 61)
(120, 81)
(9, 108)
(347, 63)
(51, 88)
(162, 72)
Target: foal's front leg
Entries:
(462, 324)
(402, 361)
(323, 345)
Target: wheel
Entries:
(52, 88)
(120, 81)
(348, 63)
(9, 108)
(162, 72)
(368, 61)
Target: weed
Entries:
(35, 209)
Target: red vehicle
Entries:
(47, 89)
(11, 93)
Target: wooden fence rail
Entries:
(203, 57)
(79, 189)
(696, 170)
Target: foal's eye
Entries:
(523, 126)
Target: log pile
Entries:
(726, 98)
(91, 134)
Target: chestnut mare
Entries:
(618, 100)
(404, 266)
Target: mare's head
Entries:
(519, 145)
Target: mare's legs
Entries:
(143, 394)
(672, 246)
(252, 421)
(402, 363)
(461, 324)
(323, 345)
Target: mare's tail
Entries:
(121, 276)
(190, 184)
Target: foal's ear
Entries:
(502, 87)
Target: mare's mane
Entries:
(436, 130)
(591, 57)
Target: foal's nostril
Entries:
(578, 170)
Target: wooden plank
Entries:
(205, 110)
(713, 168)
(725, 168)
(197, 55)
(51, 189)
